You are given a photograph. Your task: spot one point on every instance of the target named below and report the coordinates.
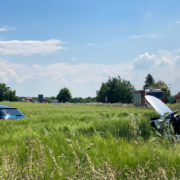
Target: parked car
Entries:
(8, 112)
(168, 117)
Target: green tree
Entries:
(162, 85)
(149, 81)
(173, 100)
(12, 96)
(3, 92)
(83, 100)
(52, 97)
(48, 100)
(116, 90)
(64, 95)
(75, 100)
(90, 99)
(35, 98)
(6, 93)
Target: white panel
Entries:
(139, 98)
(134, 98)
(158, 105)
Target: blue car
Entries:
(8, 112)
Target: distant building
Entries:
(177, 98)
(29, 99)
(44, 100)
(40, 98)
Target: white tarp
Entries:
(158, 105)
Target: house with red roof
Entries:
(177, 98)
(29, 99)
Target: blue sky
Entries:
(47, 45)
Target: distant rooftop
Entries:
(178, 95)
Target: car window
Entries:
(10, 112)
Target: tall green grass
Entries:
(71, 134)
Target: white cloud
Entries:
(154, 36)
(60, 73)
(177, 22)
(83, 79)
(167, 61)
(7, 28)
(13, 72)
(177, 60)
(74, 58)
(144, 61)
(90, 44)
(166, 58)
(163, 66)
(30, 47)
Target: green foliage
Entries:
(83, 100)
(48, 100)
(6, 93)
(158, 85)
(117, 90)
(75, 142)
(35, 99)
(149, 81)
(52, 97)
(32, 163)
(64, 95)
(162, 85)
(173, 100)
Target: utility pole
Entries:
(170, 92)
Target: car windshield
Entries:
(10, 112)
(156, 94)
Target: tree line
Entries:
(6, 93)
(114, 90)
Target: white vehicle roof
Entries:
(153, 89)
(158, 105)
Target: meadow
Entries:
(84, 141)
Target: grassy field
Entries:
(85, 142)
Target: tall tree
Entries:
(12, 96)
(162, 85)
(149, 81)
(6, 93)
(52, 97)
(64, 95)
(3, 91)
(116, 90)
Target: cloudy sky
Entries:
(47, 45)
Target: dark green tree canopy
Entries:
(149, 81)
(116, 90)
(52, 97)
(64, 95)
(6, 93)
(162, 85)
(48, 100)
(83, 100)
